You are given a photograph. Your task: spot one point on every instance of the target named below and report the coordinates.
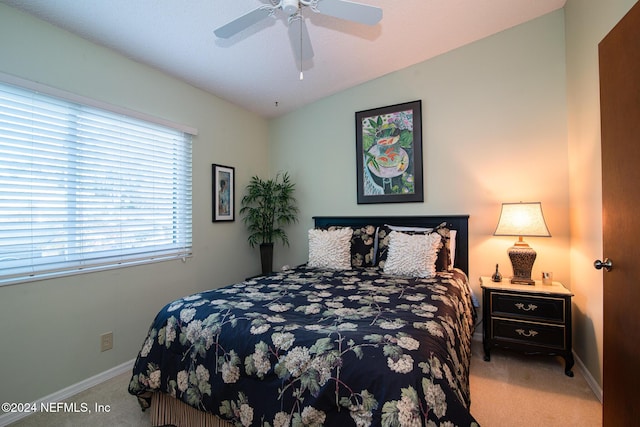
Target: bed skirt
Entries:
(165, 409)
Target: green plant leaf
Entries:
(406, 139)
(267, 206)
(371, 159)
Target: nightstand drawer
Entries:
(530, 333)
(548, 309)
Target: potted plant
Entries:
(267, 206)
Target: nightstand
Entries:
(535, 319)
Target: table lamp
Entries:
(522, 219)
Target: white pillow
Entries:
(330, 249)
(452, 248)
(404, 228)
(412, 255)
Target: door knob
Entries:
(606, 264)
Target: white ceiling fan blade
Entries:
(300, 40)
(362, 13)
(243, 22)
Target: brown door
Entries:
(620, 119)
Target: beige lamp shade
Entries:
(522, 219)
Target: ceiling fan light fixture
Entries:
(290, 7)
(298, 33)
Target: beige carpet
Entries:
(519, 390)
(509, 391)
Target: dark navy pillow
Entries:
(362, 246)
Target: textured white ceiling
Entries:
(256, 68)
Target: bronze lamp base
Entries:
(522, 257)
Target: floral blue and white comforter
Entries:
(312, 347)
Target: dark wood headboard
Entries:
(454, 222)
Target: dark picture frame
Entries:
(223, 192)
(389, 154)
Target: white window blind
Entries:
(83, 188)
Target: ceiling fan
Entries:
(298, 34)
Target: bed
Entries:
(381, 339)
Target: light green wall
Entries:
(587, 22)
(494, 130)
(49, 330)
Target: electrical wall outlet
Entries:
(106, 341)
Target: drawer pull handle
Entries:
(530, 307)
(524, 333)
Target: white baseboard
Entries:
(593, 384)
(70, 391)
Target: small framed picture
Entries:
(223, 180)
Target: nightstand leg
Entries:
(487, 353)
(568, 365)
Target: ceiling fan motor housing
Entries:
(290, 7)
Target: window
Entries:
(83, 188)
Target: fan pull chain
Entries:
(301, 73)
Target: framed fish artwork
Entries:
(389, 154)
